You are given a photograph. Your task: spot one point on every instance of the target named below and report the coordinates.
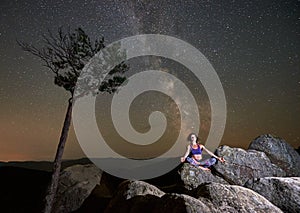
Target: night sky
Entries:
(254, 47)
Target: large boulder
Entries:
(279, 152)
(101, 195)
(75, 185)
(177, 203)
(233, 198)
(182, 203)
(242, 166)
(192, 176)
(284, 192)
(129, 189)
(138, 196)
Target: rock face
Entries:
(242, 166)
(232, 198)
(279, 152)
(192, 176)
(283, 192)
(75, 185)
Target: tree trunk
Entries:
(52, 188)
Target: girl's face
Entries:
(193, 138)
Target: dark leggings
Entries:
(205, 163)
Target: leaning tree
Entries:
(65, 54)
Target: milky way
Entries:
(253, 46)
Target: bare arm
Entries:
(188, 150)
(212, 154)
(209, 152)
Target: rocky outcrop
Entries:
(279, 152)
(75, 185)
(138, 196)
(192, 176)
(177, 203)
(223, 189)
(232, 198)
(282, 191)
(242, 166)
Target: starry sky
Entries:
(253, 46)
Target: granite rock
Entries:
(242, 166)
(283, 192)
(75, 185)
(279, 152)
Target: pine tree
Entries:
(65, 54)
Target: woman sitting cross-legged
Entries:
(195, 149)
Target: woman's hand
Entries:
(182, 159)
(221, 159)
(204, 169)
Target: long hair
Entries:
(190, 139)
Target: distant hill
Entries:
(43, 165)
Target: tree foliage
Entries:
(66, 53)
